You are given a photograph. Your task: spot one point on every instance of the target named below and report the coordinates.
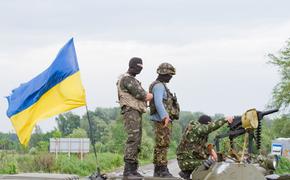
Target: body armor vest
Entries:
(171, 105)
(126, 99)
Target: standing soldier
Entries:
(132, 99)
(163, 110)
(193, 148)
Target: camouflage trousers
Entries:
(162, 141)
(187, 162)
(133, 127)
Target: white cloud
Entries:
(225, 75)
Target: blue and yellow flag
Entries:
(56, 90)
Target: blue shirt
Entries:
(159, 93)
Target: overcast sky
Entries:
(219, 48)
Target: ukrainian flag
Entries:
(56, 90)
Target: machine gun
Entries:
(245, 165)
(250, 123)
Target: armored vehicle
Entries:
(244, 164)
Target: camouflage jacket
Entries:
(194, 139)
(131, 93)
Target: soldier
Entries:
(163, 110)
(132, 100)
(193, 149)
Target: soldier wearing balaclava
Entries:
(132, 99)
(164, 109)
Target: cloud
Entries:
(218, 74)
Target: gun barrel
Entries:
(264, 113)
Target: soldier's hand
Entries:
(214, 155)
(166, 121)
(149, 97)
(230, 119)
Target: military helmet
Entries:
(166, 68)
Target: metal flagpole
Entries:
(96, 175)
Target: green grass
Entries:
(49, 163)
(17, 163)
(45, 162)
(73, 165)
(283, 166)
(7, 164)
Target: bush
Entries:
(109, 161)
(42, 146)
(283, 166)
(7, 164)
(33, 151)
(99, 147)
(44, 162)
(25, 163)
(8, 168)
(117, 138)
(73, 165)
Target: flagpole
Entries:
(97, 173)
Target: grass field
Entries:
(49, 163)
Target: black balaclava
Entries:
(134, 68)
(204, 119)
(164, 78)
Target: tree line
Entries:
(109, 135)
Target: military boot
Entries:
(134, 170)
(162, 171)
(127, 169)
(156, 171)
(130, 171)
(185, 174)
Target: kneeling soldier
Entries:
(193, 149)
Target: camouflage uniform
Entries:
(163, 134)
(133, 127)
(162, 139)
(132, 101)
(192, 149)
(168, 103)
